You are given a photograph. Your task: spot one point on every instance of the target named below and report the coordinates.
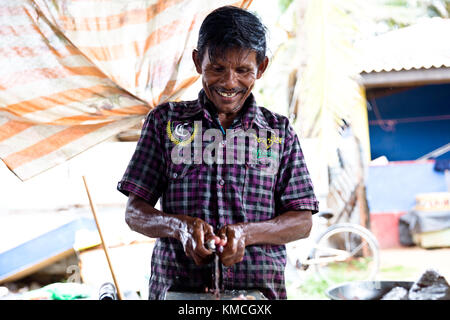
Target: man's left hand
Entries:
(233, 239)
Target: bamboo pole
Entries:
(105, 248)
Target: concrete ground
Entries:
(408, 263)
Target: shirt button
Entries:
(221, 182)
(175, 175)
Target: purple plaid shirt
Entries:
(218, 191)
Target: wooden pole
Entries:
(361, 196)
(105, 248)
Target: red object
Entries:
(384, 225)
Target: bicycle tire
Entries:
(354, 229)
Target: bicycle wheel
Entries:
(346, 252)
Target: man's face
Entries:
(228, 81)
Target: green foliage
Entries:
(398, 273)
(284, 4)
(401, 3)
(312, 288)
(401, 13)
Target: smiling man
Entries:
(248, 211)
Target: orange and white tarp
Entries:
(75, 72)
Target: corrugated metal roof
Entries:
(423, 45)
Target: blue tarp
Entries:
(423, 125)
(393, 187)
(42, 248)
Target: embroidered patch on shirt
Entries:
(269, 141)
(181, 133)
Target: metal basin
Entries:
(365, 290)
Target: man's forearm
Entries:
(147, 220)
(190, 231)
(287, 227)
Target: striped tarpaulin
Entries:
(75, 72)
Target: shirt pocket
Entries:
(259, 188)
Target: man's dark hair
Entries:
(231, 27)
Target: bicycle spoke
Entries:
(356, 249)
(347, 241)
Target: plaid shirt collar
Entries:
(250, 115)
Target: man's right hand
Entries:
(193, 236)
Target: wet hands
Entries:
(233, 240)
(229, 243)
(194, 234)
